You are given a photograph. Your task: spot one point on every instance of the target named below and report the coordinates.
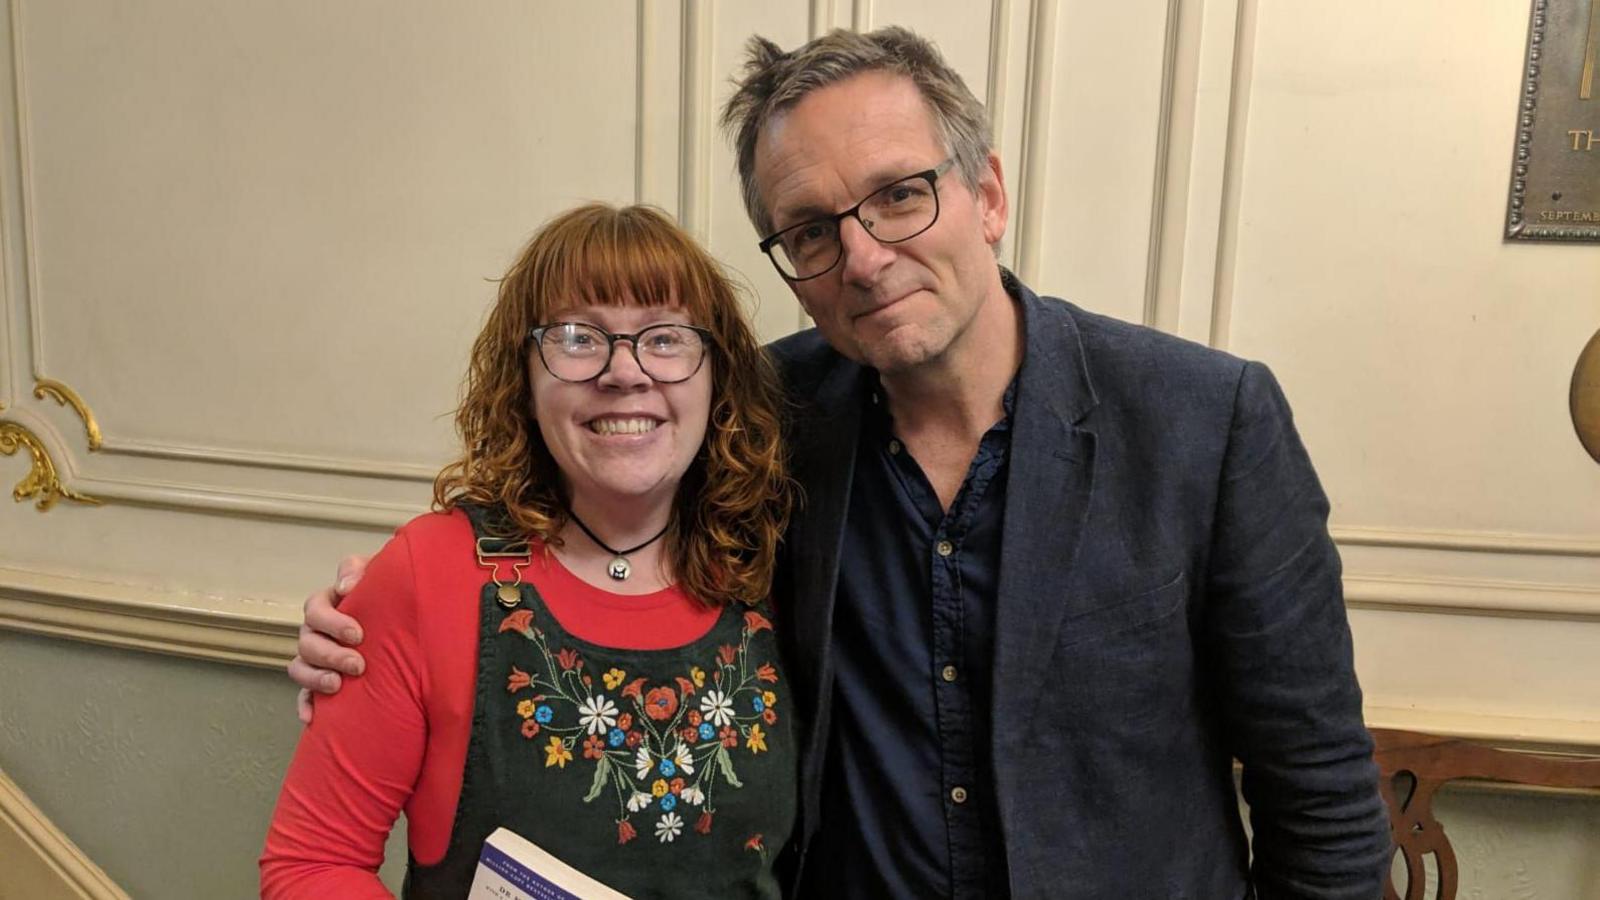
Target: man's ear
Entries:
(993, 205)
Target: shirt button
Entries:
(949, 673)
(894, 447)
(944, 548)
(958, 794)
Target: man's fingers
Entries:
(317, 651)
(322, 617)
(351, 568)
(312, 677)
(302, 706)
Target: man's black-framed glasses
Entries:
(891, 214)
(579, 352)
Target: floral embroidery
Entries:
(718, 710)
(598, 714)
(660, 703)
(654, 746)
(669, 827)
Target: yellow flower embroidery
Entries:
(613, 678)
(659, 789)
(556, 754)
(769, 698)
(699, 676)
(756, 741)
(525, 708)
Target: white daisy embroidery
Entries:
(669, 828)
(597, 714)
(717, 707)
(642, 763)
(683, 758)
(640, 800)
(692, 795)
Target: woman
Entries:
(575, 646)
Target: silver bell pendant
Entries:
(618, 569)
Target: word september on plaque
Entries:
(513, 868)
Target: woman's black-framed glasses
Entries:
(579, 352)
(891, 214)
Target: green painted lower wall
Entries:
(162, 770)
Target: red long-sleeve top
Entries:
(395, 738)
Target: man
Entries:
(1055, 572)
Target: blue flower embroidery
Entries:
(667, 770)
(616, 737)
(758, 704)
(544, 714)
(706, 731)
(668, 801)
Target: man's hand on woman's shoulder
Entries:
(326, 636)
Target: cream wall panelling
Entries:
(1143, 170)
(40, 860)
(208, 461)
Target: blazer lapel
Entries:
(824, 438)
(1048, 486)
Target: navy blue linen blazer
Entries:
(1169, 601)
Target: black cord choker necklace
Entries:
(618, 568)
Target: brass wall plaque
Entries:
(1555, 176)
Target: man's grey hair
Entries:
(774, 81)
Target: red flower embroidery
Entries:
(634, 739)
(730, 737)
(754, 622)
(568, 658)
(767, 673)
(518, 680)
(625, 721)
(660, 703)
(694, 717)
(530, 728)
(704, 825)
(593, 747)
(676, 785)
(768, 716)
(689, 735)
(517, 621)
(685, 686)
(634, 690)
(727, 653)
(754, 843)
(625, 832)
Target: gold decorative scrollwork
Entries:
(41, 482)
(49, 387)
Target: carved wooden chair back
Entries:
(1414, 766)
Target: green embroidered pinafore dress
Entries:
(662, 773)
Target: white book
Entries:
(513, 868)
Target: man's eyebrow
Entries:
(795, 215)
(806, 212)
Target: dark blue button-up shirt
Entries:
(908, 804)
